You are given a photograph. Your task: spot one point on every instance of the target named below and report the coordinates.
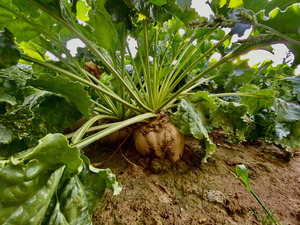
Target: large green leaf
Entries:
(74, 91)
(286, 22)
(16, 21)
(29, 179)
(104, 32)
(9, 54)
(119, 12)
(27, 22)
(254, 5)
(191, 120)
(50, 184)
(266, 5)
(39, 113)
(86, 190)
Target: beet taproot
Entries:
(160, 139)
(115, 139)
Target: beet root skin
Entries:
(114, 139)
(160, 139)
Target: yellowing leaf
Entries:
(222, 3)
(141, 17)
(82, 10)
(235, 3)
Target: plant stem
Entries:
(284, 37)
(94, 128)
(170, 83)
(255, 196)
(155, 82)
(235, 94)
(147, 65)
(198, 77)
(71, 27)
(85, 142)
(80, 79)
(82, 130)
(136, 74)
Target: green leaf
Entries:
(37, 114)
(11, 81)
(286, 22)
(51, 184)
(161, 13)
(231, 117)
(78, 197)
(281, 131)
(6, 135)
(296, 85)
(17, 21)
(190, 118)
(158, 2)
(29, 179)
(184, 4)
(256, 104)
(119, 12)
(266, 5)
(242, 174)
(34, 50)
(74, 91)
(176, 9)
(235, 4)
(155, 12)
(82, 10)
(105, 32)
(287, 112)
(293, 139)
(9, 54)
(231, 4)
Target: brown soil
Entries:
(191, 192)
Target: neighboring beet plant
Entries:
(161, 93)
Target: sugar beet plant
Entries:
(170, 78)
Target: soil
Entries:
(190, 192)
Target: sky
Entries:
(254, 57)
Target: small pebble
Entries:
(203, 220)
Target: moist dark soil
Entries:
(191, 192)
